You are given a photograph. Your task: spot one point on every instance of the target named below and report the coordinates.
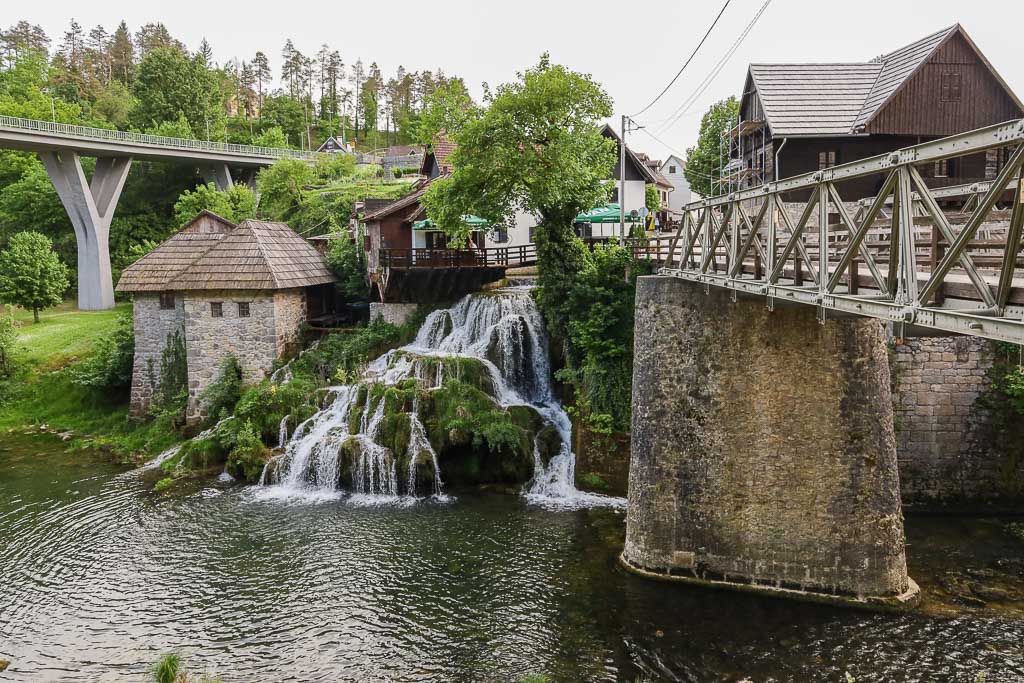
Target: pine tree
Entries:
(261, 69)
(122, 54)
(206, 53)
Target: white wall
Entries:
(518, 232)
(681, 195)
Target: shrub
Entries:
(8, 336)
(167, 669)
(349, 264)
(171, 394)
(109, 369)
(164, 484)
(249, 454)
(222, 395)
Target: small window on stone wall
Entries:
(217, 309)
(243, 309)
(166, 301)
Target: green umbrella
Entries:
(609, 213)
(468, 219)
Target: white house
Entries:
(632, 192)
(672, 168)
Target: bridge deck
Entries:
(39, 136)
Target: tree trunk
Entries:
(35, 313)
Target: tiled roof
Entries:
(825, 100)
(253, 255)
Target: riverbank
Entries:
(43, 397)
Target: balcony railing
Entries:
(523, 255)
(72, 131)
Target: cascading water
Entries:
(504, 332)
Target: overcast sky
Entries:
(633, 47)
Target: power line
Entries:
(687, 63)
(687, 103)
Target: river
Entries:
(100, 577)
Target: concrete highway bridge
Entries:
(763, 442)
(91, 202)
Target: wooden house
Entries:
(800, 118)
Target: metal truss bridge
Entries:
(931, 261)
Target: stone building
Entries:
(220, 289)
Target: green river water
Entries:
(99, 577)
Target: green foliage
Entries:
(109, 369)
(163, 485)
(167, 669)
(235, 204)
(446, 110)
(652, 200)
(171, 395)
(331, 168)
(271, 137)
(536, 147)
(8, 337)
(114, 103)
(223, 393)
(178, 127)
(31, 274)
(249, 455)
(704, 160)
(348, 262)
(281, 188)
(169, 83)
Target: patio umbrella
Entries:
(468, 219)
(609, 213)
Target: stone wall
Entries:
(289, 316)
(396, 314)
(949, 455)
(255, 340)
(153, 327)
(763, 450)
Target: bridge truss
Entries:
(902, 256)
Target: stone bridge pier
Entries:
(763, 451)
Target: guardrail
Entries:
(73, 131)
(523, 255)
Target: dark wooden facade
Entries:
(951, 88)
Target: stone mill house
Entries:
(226, 289)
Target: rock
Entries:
(993, 594)
(4, 664)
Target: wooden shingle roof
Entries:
(155, 270)
(255, 255)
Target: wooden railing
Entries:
(512, 257)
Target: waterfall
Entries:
(504, 332)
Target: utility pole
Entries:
(622, 183)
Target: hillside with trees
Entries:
(146, 80)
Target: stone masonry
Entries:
(153, 327)
(948, 456)
(763, 451)
(269, 331)
(256, 341)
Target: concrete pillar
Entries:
(763, 454)
(90, 205)
(219, 175)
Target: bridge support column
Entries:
(763, 454)
(219, 175)
(90, 205)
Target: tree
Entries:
(235, 204)
(280, 188)
(652, 199)
(205, 53)
(156, 36)
(23, 38)
(31, 274)
(447, 108)
(168, 82)
(8, 335)
(704, 160)
(261, 70)
(348, 263)
(122, 55)
(536, 147)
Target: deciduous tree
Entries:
(704, 160)
(31, 274)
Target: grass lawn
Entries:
(43, 393)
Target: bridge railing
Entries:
(516, 256)
(73, 131)
(945, 259)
